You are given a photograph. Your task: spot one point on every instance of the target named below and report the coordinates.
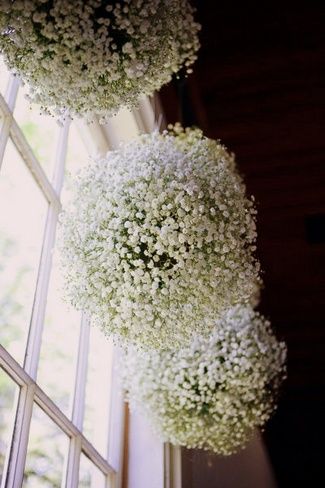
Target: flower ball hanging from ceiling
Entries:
(159, 238)
(213, 394)
(92, 56)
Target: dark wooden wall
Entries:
(259, 86)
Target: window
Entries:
(61, 413)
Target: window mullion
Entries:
(172, 466)
(96, 457)
(118, 440)
(110, 481)
(78, 405)
(71, 478)
(117, 421)
(10, 100)
(36, 326)
(17, 458)
(149, 114)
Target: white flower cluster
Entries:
(213, 394)
(159, 239)
(92, 56)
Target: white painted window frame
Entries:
(98, 139)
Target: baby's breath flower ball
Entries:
(159, 239)
(215, 393)
(92, 56)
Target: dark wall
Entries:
(249, 468)
(259, 86)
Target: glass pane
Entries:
(89, 475)
(77, 157)
(40, 130)
(59, 343)
(4, 76)
(8, 395)
(98, 389)
(22, 217)
(124, 125)
(47, 449)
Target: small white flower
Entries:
(74, 58)
(213, 394)
(133, 227)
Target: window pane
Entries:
(89, 475)
(47, 448)
(77, 157)
(40, 130)
(22, 217)
(124, 125)
(8, 395)
(97, 407)
(4, 76)
(59, 344)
